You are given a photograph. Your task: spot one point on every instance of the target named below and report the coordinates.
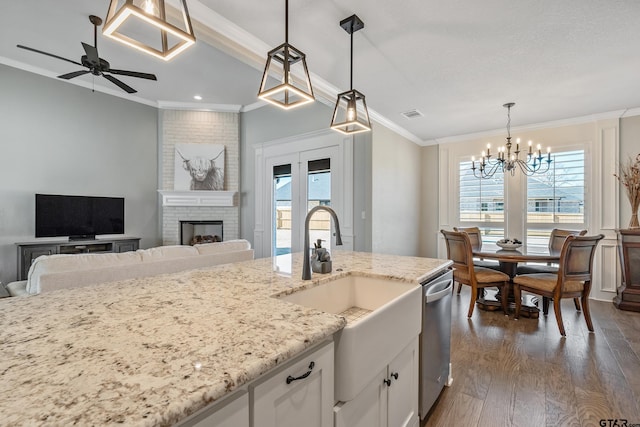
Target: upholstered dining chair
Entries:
(459, 251)
(573, 279)
(556, 240)
(475, 236)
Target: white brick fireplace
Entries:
(182, 126)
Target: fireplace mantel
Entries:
(198, 198)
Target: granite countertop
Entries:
(152, 351)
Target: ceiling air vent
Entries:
(412, 114)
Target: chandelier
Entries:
(507, 160)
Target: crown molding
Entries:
(254, 106)
(196, 106)
(616, 114)
(630, 112)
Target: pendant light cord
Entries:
(286, 21)
(509, 123)
(351, 77)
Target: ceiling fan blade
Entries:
(92, 53)
(74, 74)
(117, 82)
(49, 54)
(133, 74)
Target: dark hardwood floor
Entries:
(509, 372)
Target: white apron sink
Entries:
(383, 316)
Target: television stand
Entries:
(82, 237)
(29, 251)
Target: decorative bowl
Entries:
(509, 243)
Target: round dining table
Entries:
(508, 260)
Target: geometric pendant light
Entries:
(285, 81)
(350, 114)
(159, 35)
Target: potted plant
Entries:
(630, 177)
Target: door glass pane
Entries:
(281, 210)
(319, 193)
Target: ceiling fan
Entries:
(96, 65)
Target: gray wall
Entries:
(629, 147)
(59, 138)
(362, 199)
(428, 202)
(396, 193)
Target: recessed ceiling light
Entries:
(197, 97)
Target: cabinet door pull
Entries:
(291, 379)
(394, 375)
(387, 382)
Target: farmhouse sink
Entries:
(383, 316)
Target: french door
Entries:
(294, 183)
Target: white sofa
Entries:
(52, 272)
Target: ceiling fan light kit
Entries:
(350, 114)
(172, 37)
(285, 81)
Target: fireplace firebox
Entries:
(195, 232)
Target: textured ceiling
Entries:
(457, 62)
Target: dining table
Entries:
(508, 260)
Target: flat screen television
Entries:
(78, 217)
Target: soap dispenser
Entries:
(321, 258)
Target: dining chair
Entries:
(572, 280)
(464, 272)
(475, 236)
(556, 240)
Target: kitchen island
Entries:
(152, 351)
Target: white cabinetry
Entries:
(230, 412)
(300, 394)
(390, 399)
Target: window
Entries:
(556, 199)
(482, 204)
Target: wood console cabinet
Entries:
(628, 295)
(29, 251)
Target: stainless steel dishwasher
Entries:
(435, 339)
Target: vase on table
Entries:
(633, 223)
(629, 176)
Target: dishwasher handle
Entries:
(435, 293)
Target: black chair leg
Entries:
(545, 306)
